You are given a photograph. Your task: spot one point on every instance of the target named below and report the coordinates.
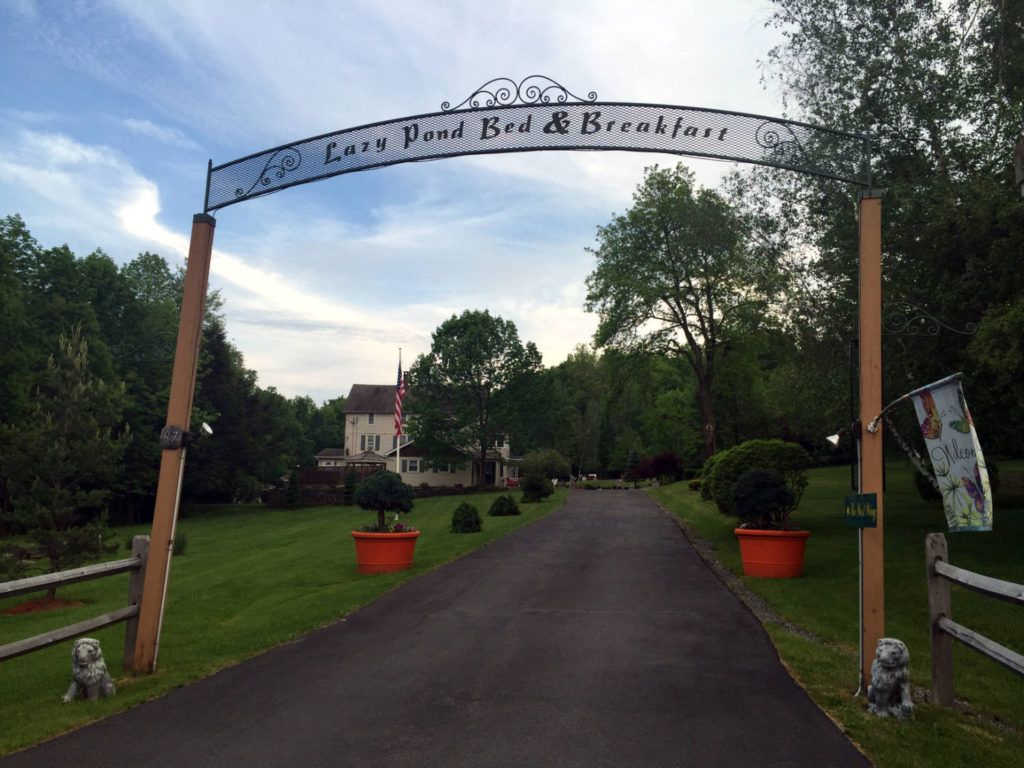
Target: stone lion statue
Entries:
(889, 692)
(88, 671)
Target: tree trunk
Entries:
(482, 478)
(707, 418)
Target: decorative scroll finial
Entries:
(780, 140)
(279, 164)
(504, 92)
(904, 319)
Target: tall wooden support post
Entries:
(873, 565)
(179, 413)
(140, 549)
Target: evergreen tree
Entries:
(61, 457)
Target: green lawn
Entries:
(824, 601)
(251, 578)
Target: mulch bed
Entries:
(39, 604)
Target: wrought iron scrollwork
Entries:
(281, 163)
(904, 319)
(530, 91)
(779, 139)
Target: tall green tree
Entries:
(938, 86)
(675, 276)
(16, 356)
(256, 439)
(464, 387)
(60, 458)
(323, 426)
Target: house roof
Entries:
(371, 398)
(408, 449)
(330, 453)
(366, 457)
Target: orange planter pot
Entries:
(384, 552)
(772, 554)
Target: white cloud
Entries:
(163, 134)
(323, 284)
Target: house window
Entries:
(499, 443)
(369, 442)
(369, 418)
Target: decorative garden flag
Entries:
(952, 444)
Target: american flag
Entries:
(399, 394)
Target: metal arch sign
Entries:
(538, 114)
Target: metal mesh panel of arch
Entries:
(517, 119)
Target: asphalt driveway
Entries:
(594, 637)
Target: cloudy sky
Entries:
(111, 109)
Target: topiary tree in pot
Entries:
(769, 544)
(385, 492)
(384, 547)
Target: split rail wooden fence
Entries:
(136, 564)
(944, 630)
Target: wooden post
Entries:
(939, 606)
(873, 571)
(140, 549)
(179, 413)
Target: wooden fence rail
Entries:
(136, 564)
(944, 630)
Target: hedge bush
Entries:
(504, 506)
(788, 459)
(706, 472)
(466, 519)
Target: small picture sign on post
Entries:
(861, 510)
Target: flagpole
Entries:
(398, 422)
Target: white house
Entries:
(370, 439)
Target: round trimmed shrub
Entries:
(536, 488)
(466, 519)
(788, 459)
(761, 499)
(695, 484)
(504, 506)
